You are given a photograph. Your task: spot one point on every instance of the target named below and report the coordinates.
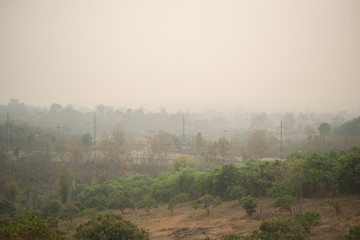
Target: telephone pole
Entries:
(94, 136)
(183, 141)
(58, 136)
(8, 130)
(281, 146)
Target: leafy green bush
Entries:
(27, 227)
(308, 220)
(109, 226)
(284, 203)
(285, 228)
(335, 204)
(354, 233)
(249, 204)
(172, 204)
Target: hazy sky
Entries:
(299, 54)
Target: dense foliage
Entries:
(28, 226)
(109, 226)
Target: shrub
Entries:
(284, 228)
(335, 204)
(110, 226)
(283, 202)
(27, 227)
(308, 220)
(354, 233)
(249, 204)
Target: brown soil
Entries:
(229, 217)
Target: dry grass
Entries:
(229, 217)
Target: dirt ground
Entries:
(229, 217)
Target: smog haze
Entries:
(291, 55)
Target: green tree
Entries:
(181, 162)
(87, 139)
(249, 204)
(206, 201)
(110, 226)
(172, 204)
(147, 203)
(64, 184)
(119, 200)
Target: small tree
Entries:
(172, 204)
(64, 184)
(119, 200)
(206, 201)
(335, 204)
(283, 202)
(147, 203)
(249, 204)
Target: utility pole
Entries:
(58, 137)
(183, 141)
(94, 136)
(8, 130)
(281, 147)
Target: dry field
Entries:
(229, 217)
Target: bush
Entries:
(354, 233)
(335, 204)
(308, 220)
(110, 226)
(249, 204)
(27, 227)
(284, 228)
